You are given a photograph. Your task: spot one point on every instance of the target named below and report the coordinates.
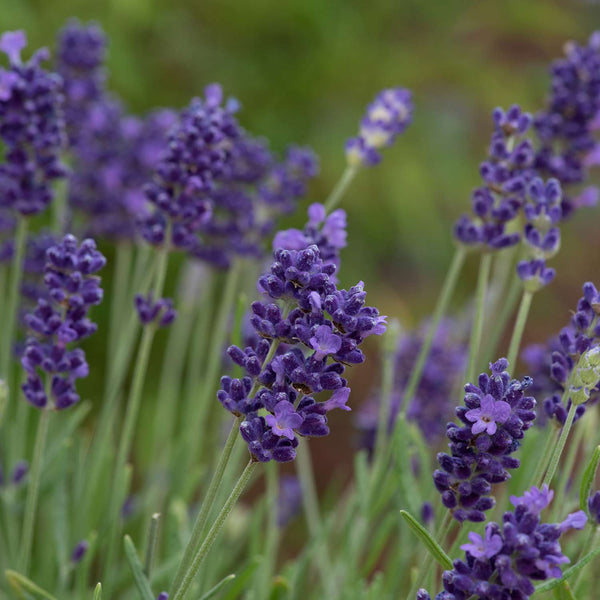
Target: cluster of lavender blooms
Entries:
(59, 321)
(113, 153)
(387, 116)
(200, 189)
(318, 322)
(566, 126)
(431, 406)
(512, 555)
(327, 232)
(150, 311)
(552, 364)
(494, 419)
(31, 129)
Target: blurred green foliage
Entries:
(304, 71)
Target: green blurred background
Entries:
(304, 71)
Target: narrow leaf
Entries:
(98, 592)
(137, 569)
(20, 583)
(242, 579)
(587, 480)
(213, 591)
(563, 592)
(151, 548)
(432, 546)
(548, 585)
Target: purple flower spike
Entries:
(483, 548)
(163, 596)
(286, 419)
(19, 472)
(488, 414)
(338, 400)
(535, 500)
(515, 554)
(325, 342)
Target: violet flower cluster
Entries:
(113, 153)
(61, 320)
(566, 126)
(322, 328)
(431, 406)
(387, 116)
(506, 561)
(32, 129)
(17, 474)
(553, 363)
(494, 419)
(505, 174)
(150, 311)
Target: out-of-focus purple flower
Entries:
(32, 129)
(60, 320)
(387, 116)
(513, 554)
(594, 507)
(481, 453)
(160, 311)
(289, 501)
(19, 472)
(431, 407)
(163, 596)
(79, 551)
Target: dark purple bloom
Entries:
(284, 420)
(505, 175)
(494, 419)
(32, 129)
(61, 319)
(19, 472)
(149, 311)
(79, 551)
(594, 507)
(289, 501)
(387, 116)
(513, 554)
(163, 596)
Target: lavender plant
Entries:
(189, 195)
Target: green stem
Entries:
(207, 504)
(590, 543)
(500, 322)
(16, 276)
(314, 521)
(33, 491)
(119, 295)
(196, 421)
(551, 440)
(475, 343)
(438, 313)
(517, 334)
(133, 407)
(272, 537)
(200, 555)
(562, 440)
(340, 188)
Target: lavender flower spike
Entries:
(387, 116)
(494, 419)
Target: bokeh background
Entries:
(304, 71)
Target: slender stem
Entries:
(207, 504)
(438, 313)
(133, 407)
(272, 537)
(119, 294)
(151, 544)
(425, 568)
(200, 555)
(197, 420)
(314, 521)
(33, 491)
(551, 440)
(562, 440)
(340, 188)
(500, 322)
(517, 334)
(591, 542)
(482, 281)
(16, 275)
